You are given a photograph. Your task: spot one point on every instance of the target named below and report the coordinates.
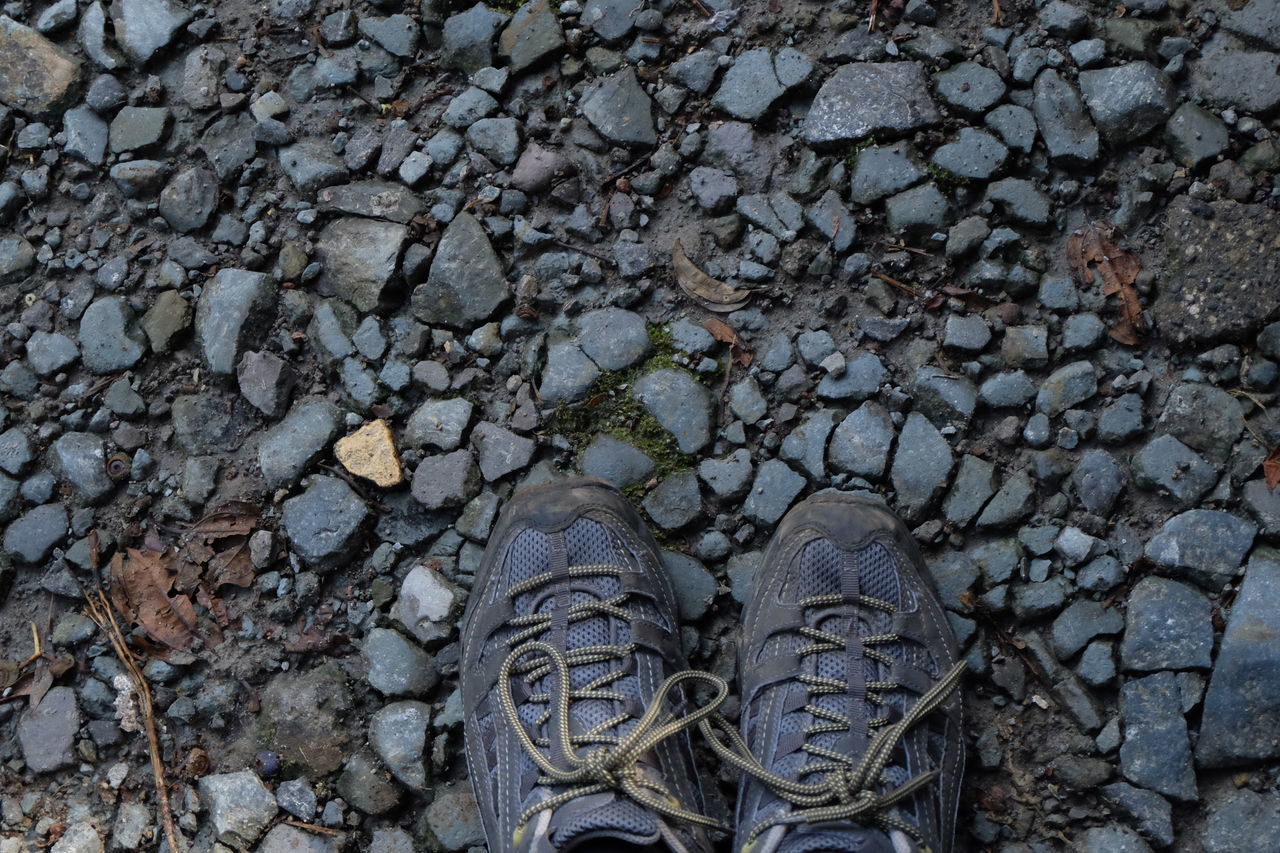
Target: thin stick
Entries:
(906, 288)
(997, 14)
(311, 827)
(103, 615)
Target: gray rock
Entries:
(775, 488)
(16, 258)
(49, 352)
(391, 841)
(921, 210)
(1016, 126)
(1195, 135)
(467, 39)
(866, 98)
(86, 134)
(1156, 752)
(714, 189)
(969, 87)
(730, 477)
(620, 109)
(201, 77)
(1263, 504)
(616, 462)
(15, 451)
(454, 818)
(438, 423)
(921, 466)
(1062, 20)
(500, 450)
(289, 839)
(1129, 100)
(366, 786)
(569, 374)
(398, 34)
(973, 487)
(229, 143)
(680, 404)
(291, 445)
(324, 523)
(533, 35)
(1150, 812)
(144, 27)
(450, 479)
(189, 199)
(375, 199)
(1203, 417)
(296, 797)
(33, 536)
(1227, 75)
(469, 107)
(1020, 200)
(831, 218)
(398, 734)
(746, 401)
(360, 260)
(466, 284)
(397, 667)
(1066, 387)
(693, 585)
(1241, 819)
(1081, 623)
(428, 603)
(973, 154)
(942, 397)
(696, 72)
(1014, 502)
(750, 86)
(1241, 723)
(81, 463)
(235, 308)
(1216, 267)
(110, 338)
(47, 732)
(881, 171)
(1097, 481)
(1167, 465)
(1067, 131)
(496, 138)
(806, 445)
(954, 574)
(266, 381)
(1168, 627)
(137, 128)
(860, 444)
(675, 502)
(1122, 420)
(1111, 839)
(1206, 546)
(966, 333)
(1007, 390)
(240, 806)
(311, 164)
(613, 338)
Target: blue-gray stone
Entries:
(775, 488)
(1168, 627)
(680, 404)
(675, 502)
(729, 477)
(973, 487)
(235, 308)
(693, 585)
(620, 109)
(806, 445)
(1156, 752)
(1007, 390)
(1167, 465)
(860, 444)
(921, 466)
(881, 171)
(865, 98)
(973, 154)
(1206, 546)
(613, 338)
(1081, 623)
(466, 283)
(861, 379)
(969, 87)
(1067, 131)
(569, 374)
(1097, 481)
(1129, 100)
(291, 445)
(617, 462)
(1066, 387)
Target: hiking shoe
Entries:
(850, 727)
(574, 683)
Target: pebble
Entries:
(466, 283)
(775, 488)
(397, 667)
(680, 404)
(616, 462)
(862, 99)
(921, 466)
(450, 479)
(233, 311)
(454, 818)
(693, 585)
(1156, 752)
(47, 732)
(1127, 101)
(110, 338)
(239, 805)
(620, 110)
(324, 523)
(398, 734)
(290, 447)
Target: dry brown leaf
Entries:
(141, 585)
(710, 293)
(216, 549)
(1271, 468)
(739, 352)
(1091, 248)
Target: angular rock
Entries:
(1167, 465)
(454, 818)
(81, 463)
(466, 284)
(862, 99)
(973, 155)
(143, 27)
(860, 444)
(36, 76)
(446, 480)
(680, 404)
(921, 466)
(613, 338)
(291, 445)
(438, 423)
(468, 38)
(235, 307)
(1195, 135)
(240, 806)
(1065, 127)
(266, 381)
(620, 109)
(427, 604)
(1168, 627)
(361, 259)
(1206, 546)
(33, 536)
(616, 462)
(1228, 75)
(324, 523)
(398, 734)
(1128, 101)
(1066, 387)
(189, 199)
(882, 171)
(675, 502)
(533, 35)
(775, 488)
(1156, 752)
(110, 339)
(397, 667)
(500, 450)
(47, 732)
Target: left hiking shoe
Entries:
(574, 683)
(850, 730)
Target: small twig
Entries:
(565, 244)
(311, 827)
(997, 14)
(875, 11)
(628, 169)
(104, 616)
(906, 288)
(701, 7)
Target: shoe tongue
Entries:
(604, 816)
(851, 841)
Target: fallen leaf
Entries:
(216, 549)
(1091, 248)
(141, 585)
(739, 352)
(710, 293)
(1271, 468)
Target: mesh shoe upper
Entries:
(571, 584)
(842, 639)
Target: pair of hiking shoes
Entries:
(579, 705)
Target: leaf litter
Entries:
(1091, 248)
(710, 293)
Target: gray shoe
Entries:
(574, 683)
(850, 732)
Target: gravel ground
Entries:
(294, 295)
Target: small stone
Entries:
(730, 477)
(189, 199)
(110, 338)
(370, 452)
(675, 502)
(289, 839)
(680, 404)
(969, 87)
(1066, 387)
(620, 109)
(397, 667)
(1156, 752)
(455, 819)
(750, 86)
(466, 283)
(33, 536)
(438, 423)
(1129, 100)
(1168, 465)
(234, 309)
(500, 450)
(398, 734)
(775, 488)
(240, 806)
(366, 786)
(144, 27)
(468, 38)
(47, 732)
(973, 487)
(860, 444)
(866, 98)
(36, 77)
(1067, 131)
(533, 35)
(49, 352)
(1080, 623)
(291, 445)
(693, 585)
(881, 171)
(616, 462)
(324, 523)
(427, 604)
(1195, 135)
(265, 380)
(1168, 627)
(916, 211)
(360, 259)
(973, 154)
(449, 479)
(81, 463)
(1097, 481)
(921, 466)
(613, 338)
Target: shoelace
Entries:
(850, 788)
(610, 763)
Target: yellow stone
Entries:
(370, 452)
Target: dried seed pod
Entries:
(118, 466)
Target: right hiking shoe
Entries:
(850, 727)
(574, 685)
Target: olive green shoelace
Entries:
(597, 761)
(850, 787)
